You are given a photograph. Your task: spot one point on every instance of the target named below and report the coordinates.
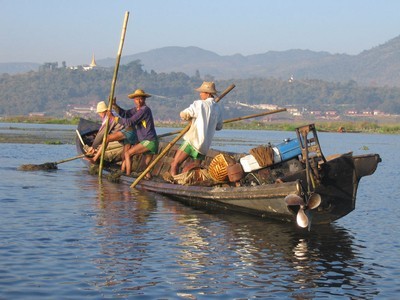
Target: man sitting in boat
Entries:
(206, 117)
(140, 117)
(117, 133)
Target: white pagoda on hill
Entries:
(92, 64)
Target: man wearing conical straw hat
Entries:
(206, 117)
(140, 117)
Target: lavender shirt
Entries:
(142, 119)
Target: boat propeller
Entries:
(303, 217)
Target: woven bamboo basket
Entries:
(218, 168)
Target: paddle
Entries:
(111, 97)
(234, 120)
(80, 137)
(173, 142)
(48, 165)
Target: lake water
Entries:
(63, 235)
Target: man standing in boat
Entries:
(206, 117)
(140, 117)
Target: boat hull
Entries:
(337, 185)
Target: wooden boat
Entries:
(298, 185)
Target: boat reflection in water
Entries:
(148, 243)
(279, 256)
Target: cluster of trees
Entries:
(321, 95)
(51, 90)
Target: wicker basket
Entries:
(218, 168)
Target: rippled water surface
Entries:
(63, 235)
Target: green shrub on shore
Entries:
(39, 120)
(366, 127)
(331, 126)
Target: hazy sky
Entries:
(71, 30)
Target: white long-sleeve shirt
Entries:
(206, 119)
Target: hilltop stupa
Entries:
(93, 63)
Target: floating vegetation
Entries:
(114, 176)
(364, 148)
(41, 167)
(93, 169)
(53, 142)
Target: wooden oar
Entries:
(80, 137)
(234, 120)
(173, 142)
(48, 165)
(169, 133)
(111, 97)
(255, 115)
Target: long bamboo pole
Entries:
(173, 142)
(234, 120)
(111, 97)
(255, 115)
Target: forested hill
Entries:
(379, 66)
(54, 91)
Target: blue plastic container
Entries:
(289, 149)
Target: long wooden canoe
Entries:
(283, 190)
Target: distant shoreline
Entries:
(43, 136)
(58, 137)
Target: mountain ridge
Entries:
(378, 66)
